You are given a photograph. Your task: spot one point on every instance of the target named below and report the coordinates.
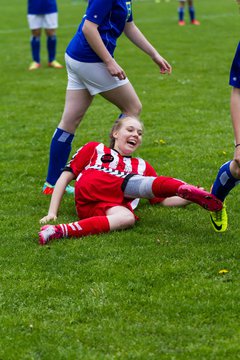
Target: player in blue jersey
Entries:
(43, 14)
(93, 70)
(229, 173)
(191, 10)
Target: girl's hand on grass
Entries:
(48, 218)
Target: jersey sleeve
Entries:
(150, 171)
(96, 11)
(81, 158)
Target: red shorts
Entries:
(97, 191)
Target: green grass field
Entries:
(152, 292)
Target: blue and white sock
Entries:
(180, 13)
(60, 149)
(51, 47)
(191, 13)
(35, 47)
(224, 182)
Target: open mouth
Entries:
(132, 142)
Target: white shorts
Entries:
(91, 76)
(47, 21)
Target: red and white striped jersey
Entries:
(100, 173)
(97, 156)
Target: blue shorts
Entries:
(234, 79)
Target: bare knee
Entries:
(36, 32)
(50, 32)
(128, 221)
(76, 105)
(134, 109)
(70, 122)
(120, 218)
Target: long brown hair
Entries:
(117, 125)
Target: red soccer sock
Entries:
(166, 186)
(85, 227)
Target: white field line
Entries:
(139, 21)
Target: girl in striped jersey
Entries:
(108, 182)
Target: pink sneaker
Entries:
(181, 23)
(195, 22)
(49, 232)
(201, 197)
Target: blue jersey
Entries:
(111, 17)
(42, 7)
(234, 78)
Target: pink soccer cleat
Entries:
(181, 23)
(201, 197)
(195, 22)
(49, 232)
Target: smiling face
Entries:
(128, 137)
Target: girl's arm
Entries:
(137, 37)
(91, 33)
(59, 189)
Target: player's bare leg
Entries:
(76, 104)
(125, 98)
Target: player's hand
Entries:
(48, 218)
(165, 67)
(116, 70)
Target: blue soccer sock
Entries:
(191, 13)
(51, 47)
(180, 13)
(224, 182)
(35, 47)
(59, 152)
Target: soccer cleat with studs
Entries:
(34, 66)
(181, 23)
(195, 22)
(219, 219)
(48, 189)
(55, 64)
(49, 232)
(201, 197)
